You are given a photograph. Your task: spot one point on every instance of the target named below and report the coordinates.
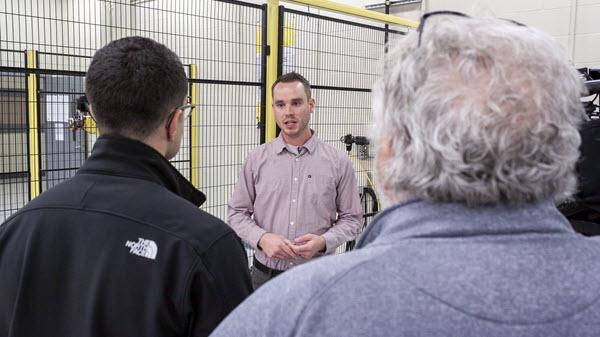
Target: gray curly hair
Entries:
(483, 112)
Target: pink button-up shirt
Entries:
(292, 195)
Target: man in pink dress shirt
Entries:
(296, 197)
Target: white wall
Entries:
(56, 26)
(575, 24)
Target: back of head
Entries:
(132, 84)
(484, 111)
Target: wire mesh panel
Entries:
(76, 27)
(60, 83)
(221, 45)
(340, 58)
(14, 178)
(228, 132)
(56, 40)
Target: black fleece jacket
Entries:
(120, 249)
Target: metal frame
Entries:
(357, 11)
(272, 65)
(194, 123)
(264, 49)
(33, 125)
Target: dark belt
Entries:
(265, 269)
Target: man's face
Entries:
(292, 110)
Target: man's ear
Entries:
(173, 128)
(385, 150)
(91, 111)
(384, 154)
(311, 104)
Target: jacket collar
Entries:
(119, 156)
(422, 219)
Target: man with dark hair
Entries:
(121, 249)
(296, 197)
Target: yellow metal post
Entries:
(272, 58)
(357, 11)
(34, 134)
(194, 124)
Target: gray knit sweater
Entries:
(424, 269)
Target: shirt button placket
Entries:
(294, 199)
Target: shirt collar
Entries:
(311, 144)
(278, 144)
(419, 219)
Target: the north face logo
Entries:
(145, 248)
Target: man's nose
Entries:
(287, 110)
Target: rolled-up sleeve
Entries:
(350, 214)
(241, 207)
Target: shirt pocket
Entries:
(323, 194)
(267, 188)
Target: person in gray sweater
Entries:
(477, 138)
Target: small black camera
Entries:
(361, 141)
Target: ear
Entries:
(91, 111)
(311, 104)
(173, 128)
(385, 149)
(384, 154)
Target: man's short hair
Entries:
(294, 77)
(132, 85)
(484, 112)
